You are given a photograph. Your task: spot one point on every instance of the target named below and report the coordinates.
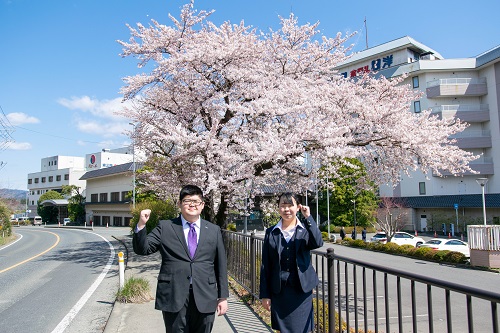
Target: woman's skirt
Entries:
(292, 310)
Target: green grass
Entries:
(135, 290)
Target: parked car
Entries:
(448, 244)
(37, 220)
(400, 238)
(66, 220)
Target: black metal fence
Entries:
(356, 296)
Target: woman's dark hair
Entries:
(287, 197)
(190, 190)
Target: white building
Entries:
(468, 89)
(56, 171)
(108, 201)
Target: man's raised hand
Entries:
(143, 218)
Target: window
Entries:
(103, 197)
(36, 180)
(29, 181)
(125, 196)
(115, 196)
(66, 176)
(93, 197)
(55, 162)
(416, 106)
(117, 221)
(44, 179)
(58, 178)
(51, 179)
(415, 82)
(421, 188)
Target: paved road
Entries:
(59, 280)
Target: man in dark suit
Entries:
(192, 283)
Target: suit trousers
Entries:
(188, 319)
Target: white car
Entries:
(448, 244)
(400, 238)
(66, 220)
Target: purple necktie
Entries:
(192, 241)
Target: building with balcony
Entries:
(467, 89)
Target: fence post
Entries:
(253, 268)
(330, 254)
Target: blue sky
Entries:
(60, 69)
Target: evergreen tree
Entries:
(347, 186)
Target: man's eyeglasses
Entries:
(188, 202)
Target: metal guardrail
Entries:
(357, 296)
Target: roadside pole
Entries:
(121, 266)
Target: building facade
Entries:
(108, 195)
(467, 89)
(57, 171)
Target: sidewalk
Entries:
(129, 318)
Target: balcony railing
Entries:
(472, 134)
(471, 113)
(456, 87)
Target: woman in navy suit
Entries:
(287, 277)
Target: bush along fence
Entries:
(356, 296)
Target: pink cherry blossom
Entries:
(234, 110)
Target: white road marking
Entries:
(81, 302)
(14, 242)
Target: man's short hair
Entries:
(190, 190)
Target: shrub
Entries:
(324, 235)
(358, 243)
(231, 227)
(422, 252)
(455, 257)
(405, 249)
(440, 255)
(391, 247)
(160, 210)
(135, 290)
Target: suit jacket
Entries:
(208, 268)
(305, 240)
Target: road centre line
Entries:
(85, 297)
(29, 259)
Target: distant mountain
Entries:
(12, 194)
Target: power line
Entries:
(55, 136)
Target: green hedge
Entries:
(424, 253)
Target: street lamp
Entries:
(328, 209)
(354, 202)
(482, 182)
(133, 167)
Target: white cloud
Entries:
(19, 118)
(19, 146)
(99, 108)
(101, 129)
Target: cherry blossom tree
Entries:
(233, 110)
(392, 216)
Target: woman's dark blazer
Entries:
(306, 239)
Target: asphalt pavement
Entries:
(133, 317)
